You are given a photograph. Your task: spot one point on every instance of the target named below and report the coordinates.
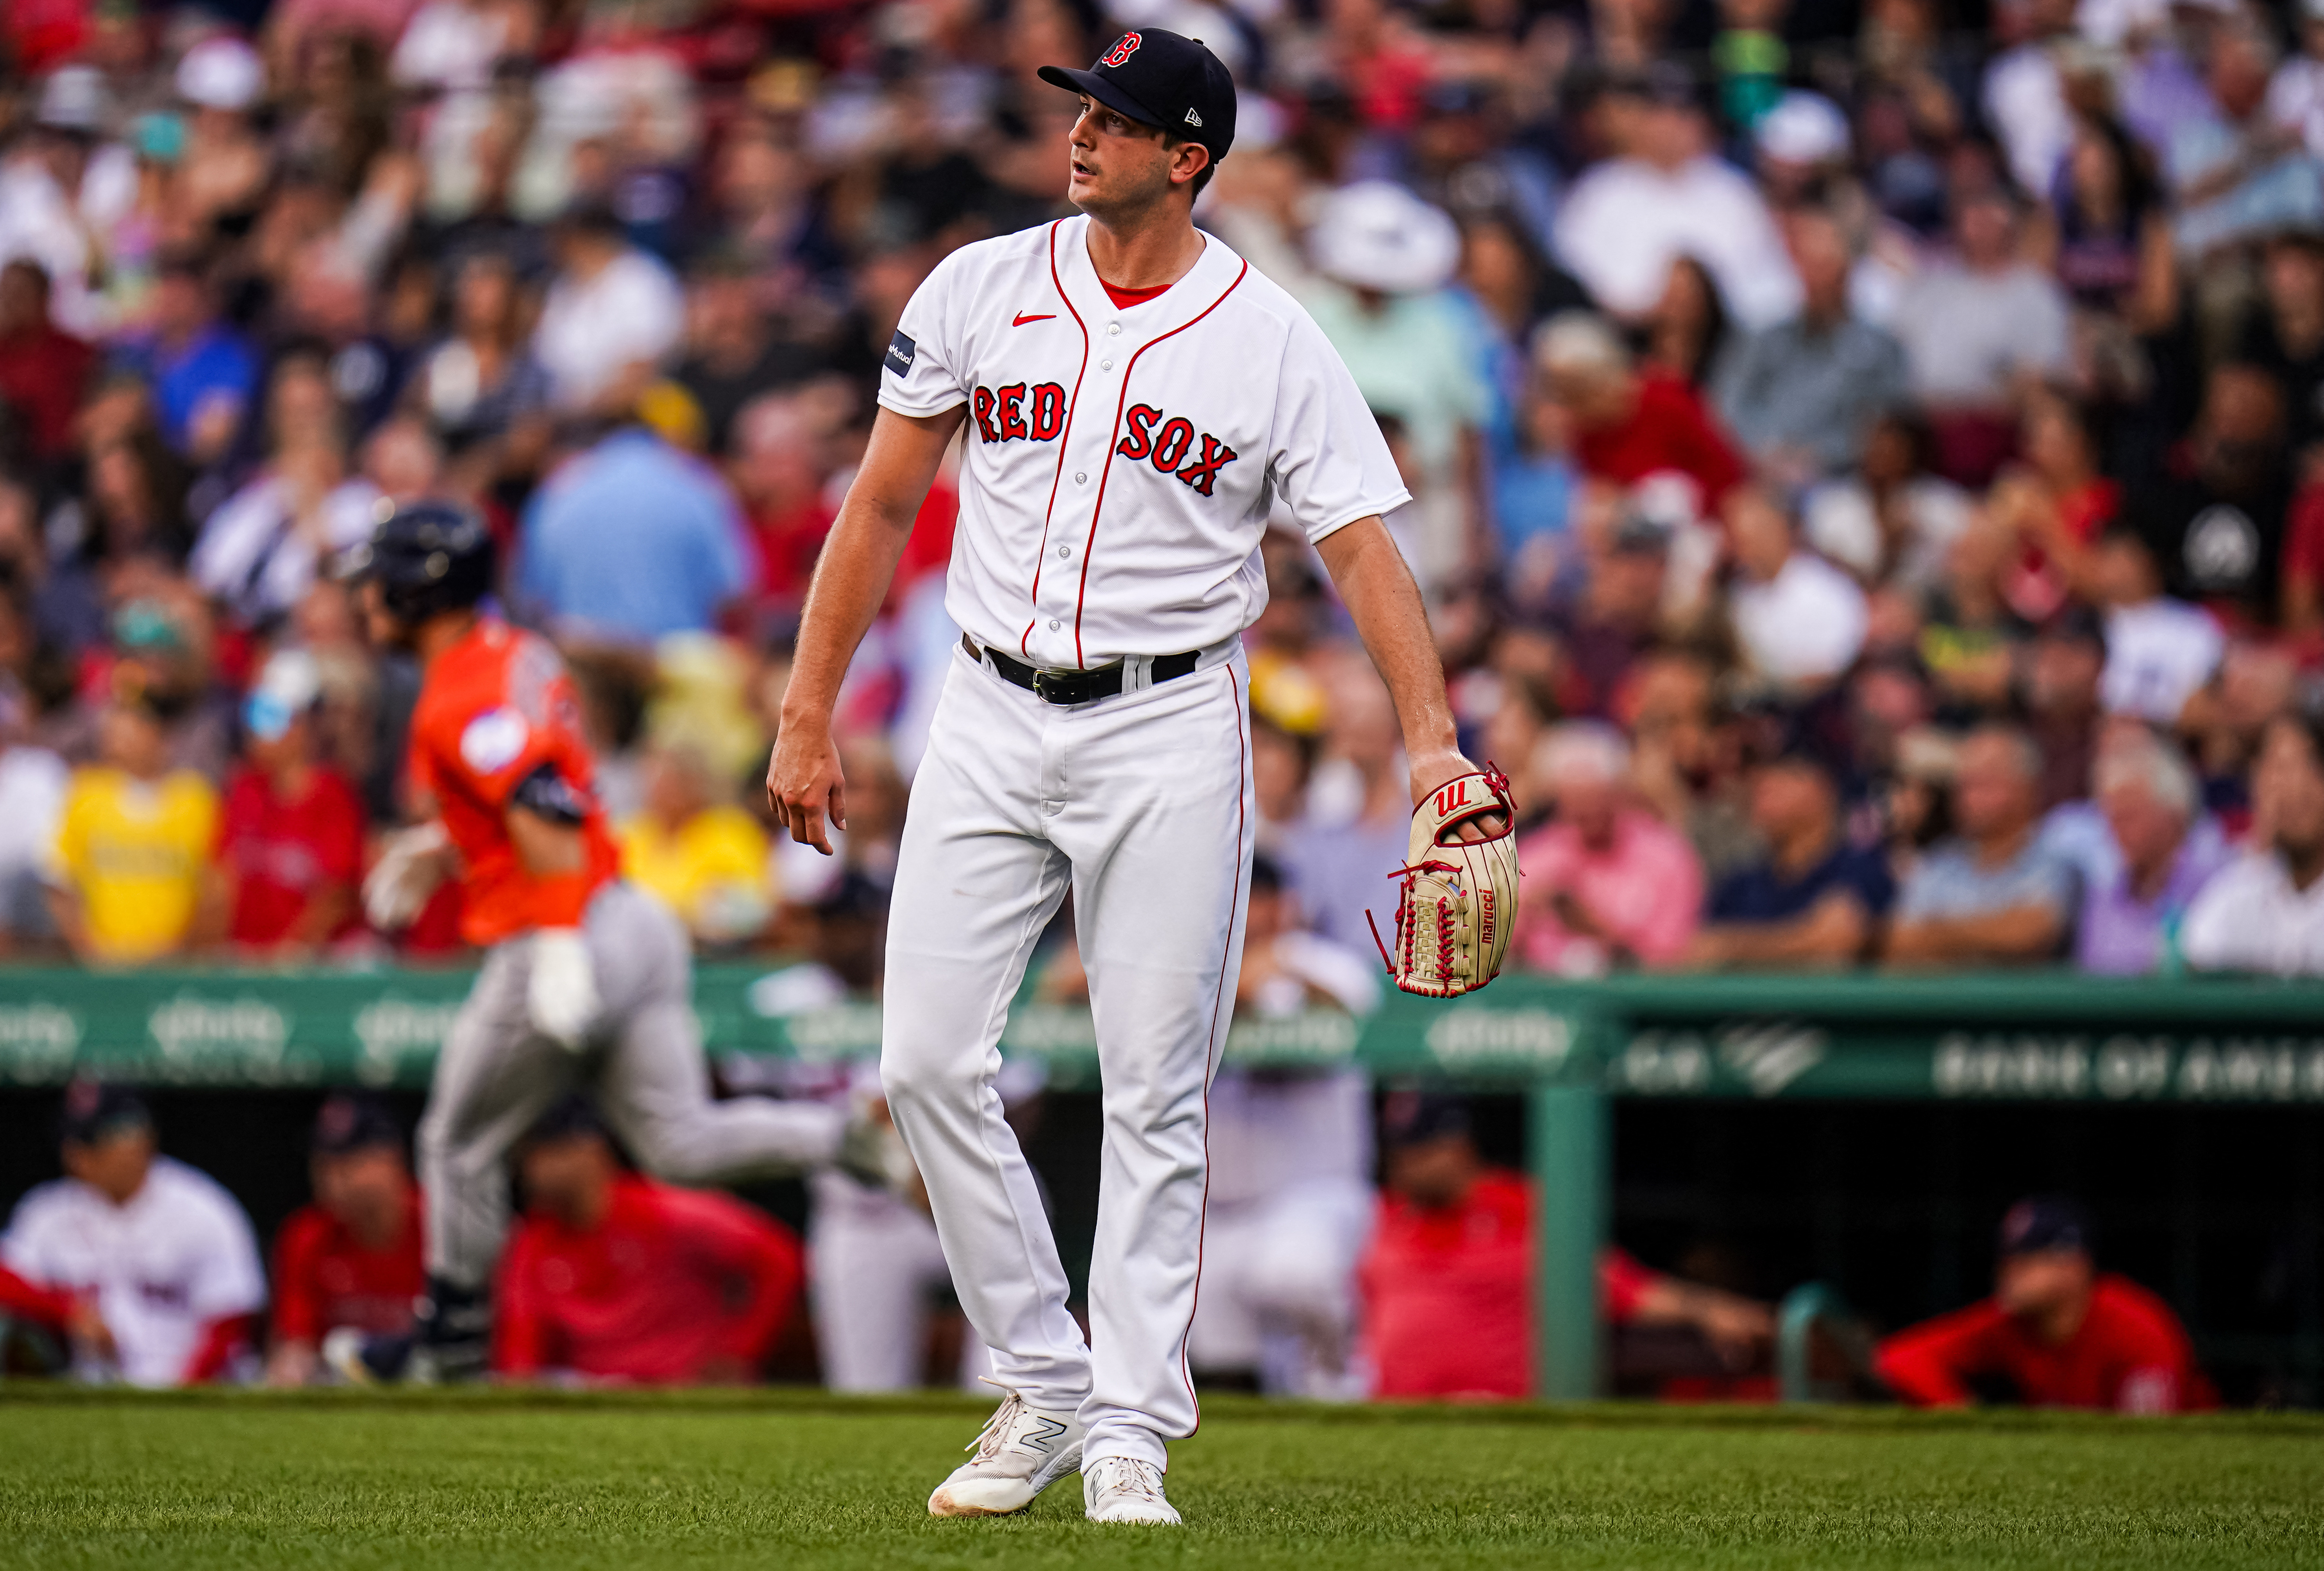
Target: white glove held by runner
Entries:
(563, 991)
(406, 874)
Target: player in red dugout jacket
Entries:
(616, 1278)
(350, 1263)
(2057, 1332)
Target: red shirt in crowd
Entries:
(1669, 430)
(673, 1285)
(2131, 1354)
(284, 851)
(1448, 1293)
(42, 375)
(325, 1279)
(495, 707)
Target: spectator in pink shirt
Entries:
(1607, 884)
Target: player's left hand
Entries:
(1431, 769)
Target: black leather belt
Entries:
(1078, 687)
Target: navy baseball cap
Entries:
(353, 1123)
(1410, 1118)
(1160, 79)
(570, 1116)
(2046, 1221)
(95, 1111)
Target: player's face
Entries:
(361, 1186)
(115, 1166)
(2288, 790)
(383, 626)
(1117, 165)
(2040, 1281)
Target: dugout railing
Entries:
(1568, 1048)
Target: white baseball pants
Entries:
(1142, 803)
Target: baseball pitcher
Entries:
(1136, 400)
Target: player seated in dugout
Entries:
(1447, 1283)
(349, 1260)
(614, 1278)
(2057, 1333)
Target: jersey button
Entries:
(1081, 478)
(1112, 328)
(1106, 366)
(1055, 625)
(1064, 550)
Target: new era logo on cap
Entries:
(1192, 118)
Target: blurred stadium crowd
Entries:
(1869, 464)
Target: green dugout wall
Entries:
(1569, 1047)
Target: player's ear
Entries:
(1187, 160)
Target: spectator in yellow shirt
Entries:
(125, 874)
(703, 857)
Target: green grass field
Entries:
(772, 1479)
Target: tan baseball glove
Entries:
(1460, 896)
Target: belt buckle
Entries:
(1056, 687)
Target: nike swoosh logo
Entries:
(1044, 317)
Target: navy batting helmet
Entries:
(426, 557)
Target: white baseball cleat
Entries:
(1117, 1489)
(1020, 1453)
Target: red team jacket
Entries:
(324, 1279)
(672, 1284)
(497, 707)
(1448, 1293)
(2131, 1354)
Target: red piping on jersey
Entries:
(1065, 439)
(1113, 440)
(1202, 1222)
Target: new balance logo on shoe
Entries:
(1040, 1438)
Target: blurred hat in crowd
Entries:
(1376, 235)
(286, 688)
(569, 1117)
(1804, 128)
(2076, 624)
(2046, 1221)
(349, 1124)
(74, 99)
(97, 1110)
(221, 73)
(1409, 1118)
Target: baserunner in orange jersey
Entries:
(586, 981)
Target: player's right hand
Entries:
(805, 783)
(406, 874)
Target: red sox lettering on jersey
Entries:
(1124, 461)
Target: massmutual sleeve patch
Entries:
(901, 351)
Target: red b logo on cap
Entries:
(1123, 48)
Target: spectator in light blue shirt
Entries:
(1996, 895)
(632, 540)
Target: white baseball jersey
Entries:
(1122, 462)
(178, 1256)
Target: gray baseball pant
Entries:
(643, 1064)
